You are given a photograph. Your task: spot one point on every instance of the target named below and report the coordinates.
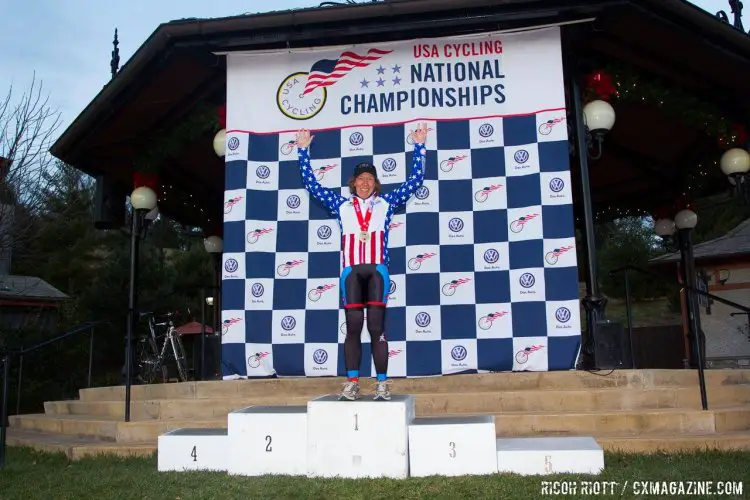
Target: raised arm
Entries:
(414, 181)
(329, 198)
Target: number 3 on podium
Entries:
(452, 452)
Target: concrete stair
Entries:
(629, 410)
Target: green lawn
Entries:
(31, 475)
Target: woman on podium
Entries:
(364, 218)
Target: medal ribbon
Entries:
(364, 223)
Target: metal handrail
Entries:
(6, 358)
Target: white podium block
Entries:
(192, 449)
(268, 440)
(357, 439)
(452, 446)
(550, 455)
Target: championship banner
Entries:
(483, 262)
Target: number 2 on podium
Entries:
(268, 444)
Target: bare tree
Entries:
(27, 129)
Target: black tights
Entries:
(355, 319)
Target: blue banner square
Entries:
(263, 147)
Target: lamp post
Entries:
(220, 142)
(599, 117)
(143, 200)
(735, 164)
(214, 245)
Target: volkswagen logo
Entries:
(422, 193)
(392, 288)
(562, 314)
(233, 143)
(422, 320)
(263, 172)
(257, 290)
(231, 265)
(288, 323)
(527, 280)
(458, 353)
(486, 130)
(324, 232)
(521, 156)
(556, 185)
(293, 201)
(491, 256)
(455, 224)
(320, 356)
(389, 164)
(356, 139)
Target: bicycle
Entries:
(151, 358)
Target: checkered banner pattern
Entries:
(482, 265)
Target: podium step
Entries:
(76, 447)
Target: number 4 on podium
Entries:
(194, 453)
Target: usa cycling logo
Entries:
(485, 322)
(459, 353)
(563, 314)
(254, 235)
(231, 202)
(228, 323)
(484, 193)
(321, 172)
(288, 323)
(556, 185)
(324, 232)
(521, 156)
(316, 293)
(320, 356)
(527, 280)
(552, 257)
(447, 165)
(486, 130)
(522, 356)
(546, 127)
(519, 224)
(422, 320)
(253, 361)
(450, 288)
(293, 202)
(491, 256)
(285, 268)
(262, 172)
(287, 148)
(422, 193)
(257, 290)
(389, 165)
(416, 262)
(356, 139)
(231, 265)
(456, 225)
(233, 143)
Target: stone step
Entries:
(623, 422)
(465, 402)
(75, 447)
(497, 382)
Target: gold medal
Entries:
(364, 237)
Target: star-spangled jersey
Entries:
(375, 249)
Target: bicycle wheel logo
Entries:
(317, 292)
(320, 356)
(233, 143)
(257, 290)
(356, 139)
(449, 288)
(324, 232)
(527, 280)
(389, 164)
(263, 172)
(227, 323)
(546, 127)
(563, 314)
(486, 130)
(254, 236)
(287, 147)
(522, 356)
(485, 322)
(447, 165)
(285, 268)
(254, 360)
(552, 257)
(517, 225)
(231, 203)
(288, 323)
(459, 353)
(456, 225)
(484, 193)
(293, 202)
(416, 262)
(231, 265)
(422, 320)
(556, 185)
(491, 256)
(422, 193)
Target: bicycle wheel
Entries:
(180, 357)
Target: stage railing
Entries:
(7, 356)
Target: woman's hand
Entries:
(420, 135)
(304, 138)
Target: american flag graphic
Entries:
(326, 72)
